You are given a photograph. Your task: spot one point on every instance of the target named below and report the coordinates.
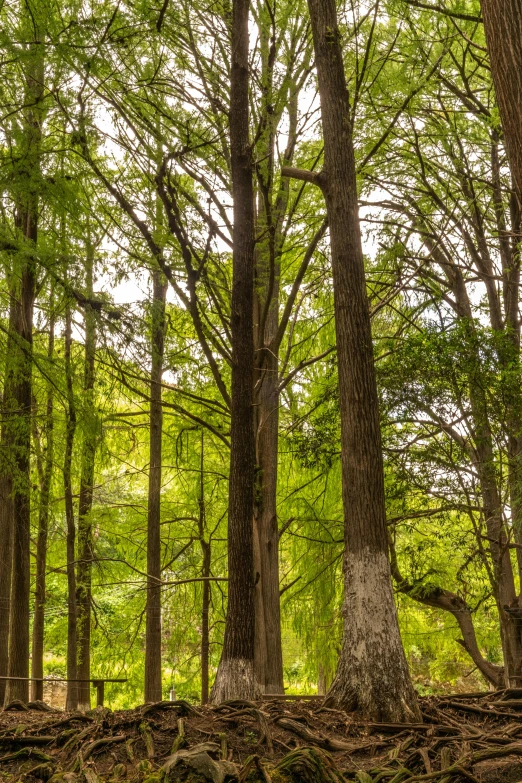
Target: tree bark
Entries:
(70, 429)
(26, 220)
(270, 218)
(205, 573)
(269, 657)
(503, 27)
(85, 539)
(6, 510)
(372, 674)
(235, 675)
(43, 528)
(509, 355)
(153, 689)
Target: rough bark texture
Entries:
(85, 538)
(153, 690)
(272, 208)
(503, 26)
(372, 674)
(205, 573)
(269, 664)
(26, 196)
(41, 546)
(268, 647)
(235, 676)
(6, 530)
(72, 651)
(6, 512)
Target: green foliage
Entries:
(134, 162)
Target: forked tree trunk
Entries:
(85, 537)
(235, 675)
(372, 674)
(153, 690)
(72, 646)
(41, 546)
(24, 273)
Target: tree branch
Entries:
(305, 175)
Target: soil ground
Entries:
(466, 737)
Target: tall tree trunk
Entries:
(21, 494)
(43, 528)
(269, 665)
(509, 353)
(6, 559)
(270, 218)
(24, 296)
(72, 646)
(503, 26)
(205, 573)
(85, 539)
(235, 675)
(153, 690)
(6, 507)
(372, 674)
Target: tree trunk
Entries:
(85, 540)
(270, 218)
(24, 295)
(235, 675)
(43, 527)
(372, 674)
(269, 645)
(153, 690)
(509, 355)
(205, 573)
(21, 494)
(6, 559)
(503, 26)
(6, 509)
(72, 646)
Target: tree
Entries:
(372, 674)
(85, 534)
(463, 241)
(503, 26)
(235, 675)
(153, 690)
(45, 465)
(18, 394)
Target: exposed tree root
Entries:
(471, 737)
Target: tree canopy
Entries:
(260, 349)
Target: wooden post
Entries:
(100, 691)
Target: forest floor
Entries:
(466, 737)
